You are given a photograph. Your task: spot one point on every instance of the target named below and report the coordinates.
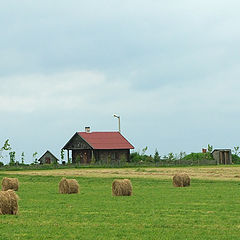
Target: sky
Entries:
(170, 69)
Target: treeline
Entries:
(143, 157)
(6, 149)
(182, 157)
(136, 158)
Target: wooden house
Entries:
(87, 147)
(222, 156)
(47, 158)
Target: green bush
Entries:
(156, 157)
(198, 156)
(136, 157)
(235, 159)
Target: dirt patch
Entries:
(209, 173)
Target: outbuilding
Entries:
(106, 147)
(47, 158)
(222, 156)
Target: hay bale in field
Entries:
(8, 202)
(68, 186)
(10, 183)
(122, 187)
(181, 180)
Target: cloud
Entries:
(170, 69)
(83, 90)
(158, 41)
(45, 109)
(36, 92)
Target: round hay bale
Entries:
(8, 202)
(122, 187)
(10, 183)
(68, 186)
(181, 180)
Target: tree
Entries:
(171, 156)
(22, 157)
(156, 156)
(135, 157)
(236, 150)
(144, 150)
(35, 160)
(6, 147)
(12, 158)
(210, 148)
(182, 155)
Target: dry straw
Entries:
(181, 180)
(68, 186)
(8, 202)
(10, 183)
(122, 187)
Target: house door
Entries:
(223, 157)
(227, 161)
(86, 157)
(47, 160)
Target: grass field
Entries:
(207, 210)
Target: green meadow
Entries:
(205, 210)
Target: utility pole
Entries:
(119, 128)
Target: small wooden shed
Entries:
(222, 156)
(47, 158)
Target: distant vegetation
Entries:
(235, 159)
(138, 158)
(173, 159)
(182, 158)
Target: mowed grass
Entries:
(157, 210)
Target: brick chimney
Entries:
(87, 129)
(204, 150)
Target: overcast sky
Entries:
(171, 69)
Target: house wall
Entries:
(230, 159)
(77, 143)
(216, 156)
(103, 156)
(82, 155)
(116, 155)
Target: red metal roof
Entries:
(106, 140)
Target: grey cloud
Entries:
(168, 66)
(106, 36)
